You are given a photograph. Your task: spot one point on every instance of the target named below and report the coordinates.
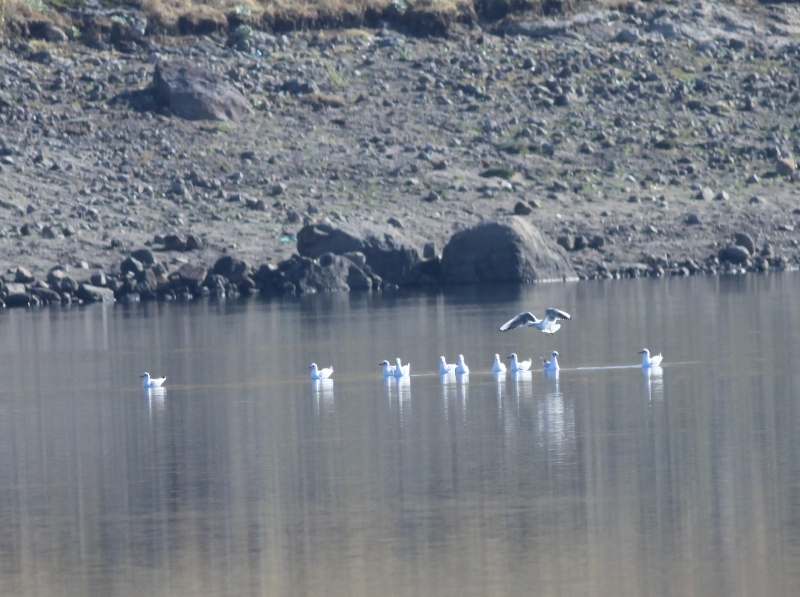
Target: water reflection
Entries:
(155, 397)
(239, 485)
(653, 383)
(322, 389)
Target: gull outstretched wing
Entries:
(519, 321)
(552, 315)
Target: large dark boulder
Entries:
(191, 276)
(508, 250)
(16, 295)
(231, 268)
(94, 294)
(389, 253)
(327, 274)
(734, 254)
(195, 93)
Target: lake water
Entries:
(245, 479)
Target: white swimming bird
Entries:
(320, 373)
(648, 361)
(388, 370)
(552, 364)
(445, 367)
(461, 368)
(498, 367)
(148, 382)
(519, 365)
(402, 370)
(548, 324)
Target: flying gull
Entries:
(548, 324)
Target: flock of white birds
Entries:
(548, 325)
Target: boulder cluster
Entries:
(329, 259)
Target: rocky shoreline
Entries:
(649, 140)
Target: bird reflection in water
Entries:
(500, 381)
(155, 397)
(555, 422)
(403, 385)
(323, 394)
(653, 383)
(522, 384)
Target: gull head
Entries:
(513, 355)
(461, 358)
(313, 366)
(383, 363)
(145, 374)
(644, 351)
(555, 354)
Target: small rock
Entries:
(722, 196)
(522, 209)
(745, 240)
(278, 189)
(705, 194)
(23, 276)
(193, 242)
(691, 220)
(567, 241)
(786, 166)
(95, 294)
(758, 200)
(143, 255)
(173, 242)
(734, 254)
(255, 204)
(431, 197)
(429, 251)
(753, 179)
(393, 221)
(597, 242)
(628, 35)
(98, 279)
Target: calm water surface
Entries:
(245, 479)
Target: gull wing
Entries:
(519, 321)
(656, 360)
(552, 315)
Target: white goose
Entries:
(548, 324)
